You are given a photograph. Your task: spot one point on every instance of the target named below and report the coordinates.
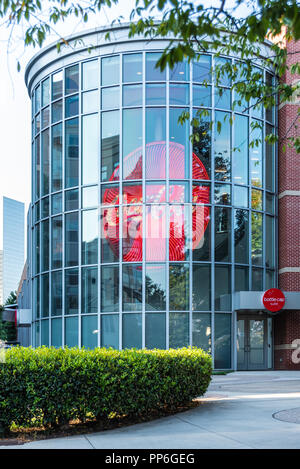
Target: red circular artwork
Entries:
(273, 300)
(132, 240)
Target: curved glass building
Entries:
(141, 238)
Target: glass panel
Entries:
(241, 342)
(56, 203)
(37, 124)
(201, 296)
(178, 330)
(256, 238)
(201, 96)
(257, 279)
(156, 236)
(45, 295)
(71, 291)
(180, 71)
(256, 157)
(56, 332)
(56, 242)
(179, 192)
(45, 117)
(72, 153)
(202, 148)
(256, 199)
(179, 146)
(90, 102)
(179, 94)
(222, 288)
(156, 94)
(110, 330)
(256, 338)
(89, 290)
(240, 196)
(132, 95)
(270, 242)
(45, 245)
(110, 98)
(155, 143)
(202, 68)
(72, 106)
(90, 75)
(89, 332)
(37, 98)
(270, 279)
(57, 85)
(270, 203)
(110, 145)
(221, 76)
(155, 287)
(72, 79)
(37, 248)
(222, 147)
(45, 162)
(110, 70)
(36, 296)
(109, 288)
(45, 207)
(110, 234)
(155, 331)
(89, 196)
(45, 333)
(132, 242)
(222, 341)
(71, 239)
(241, 236)
(222, 234)
(241, 279)
(223, 98)
(153, 73)
(179, 287)
(132, 67)
(240, 154)
(46, 92)
(155, 192)
(56, 157)
(132, 287)
(270, 161)
(90, 142)
(56, 293)
(132, 331)
(56, 111)
(110, 194)
(132, 193)
(179, 233)
(201, 232)
(201, 331)
(71, 200)
(38, 168)
(132, 143)
(89, 242)
(222, 194)
(71, 332)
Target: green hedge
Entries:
(48, 386)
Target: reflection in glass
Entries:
(56, 332)
(57, 81)
(153, 73)
(56, 167)
(156, 94)
(179, 233)
(240, 154)
(132, 241)
(45, 117)
(71, 239)
(180, 71)
(201, 287)
(223, 98)
(201, 96)
(155, 143)
(45, 333)
(71, 79)
(132, 287)
(155, 287)
(89, 332)
(46, 92)
(45, 207)
(45, 245)
(110, 234)
(72, 106)
(71, 200)
(222, 146)
(201, 331)
(110, 70)
(132, 331)
(156, 237)
(222, 234)
(241, 236)
(202, 69)
(256, 238)
(155, 192)
(222, 341)
(45, 162)
(256, 158)
(89, 242)
(256, 199)
(89, 290)
(71, 291)
(257, 279)
(179, 287)
(110, 98)
(241, 278)
(90, 149)
(110, 331)
(72, 153)
(44, 295)
(37, 168)
(110, 146)
(270, 161)
(56, 293)
(56, 203)
(71, 332)
(155, 331)
(109, 288)
(132, 143)
(178, 330)
(179, 146)
(240, 196)
(132, 95)
(222, 194)
(221, 76)
(90, 75)
(90, 102)
(179, 192)
(179, 94)
(222, 288)
(270, 242)
(89, 196)
(201, 148)
(201, 232)
(56, 111)
(132, 68)
(56, 242)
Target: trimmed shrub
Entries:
(48, 386)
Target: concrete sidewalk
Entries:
(237, 412)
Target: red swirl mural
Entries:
(155, 230)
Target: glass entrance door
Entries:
(252, 343)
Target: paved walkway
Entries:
(237, 412)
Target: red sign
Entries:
(273, 300)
